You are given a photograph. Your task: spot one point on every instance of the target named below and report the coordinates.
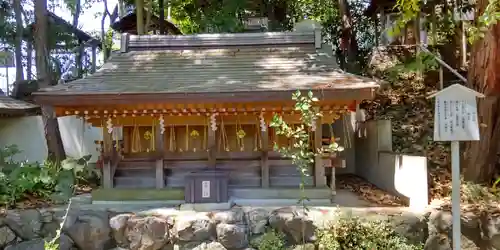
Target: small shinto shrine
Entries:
(170, 105)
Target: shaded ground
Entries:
(346, 198)
(367, 192)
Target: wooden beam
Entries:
(160, 176)
(212, 148)
(167, 109)
(92, 98)
(319, 169)
(333, 188)
(192, 120)
(107, 177)
(107, 141)
(264, 161)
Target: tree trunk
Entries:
(271, 19)
(121, 9)
(105, 50)
(481, 157)
(29, 49)
(76, 15)
(19, 40)
(149, 12)
(80, 51)
(139, 5)
(29, 60)
(161, 8)
(349, 46)
(51, 127)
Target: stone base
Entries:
(89, 227)
(82, 199)
(206, 207)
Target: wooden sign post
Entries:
(455, 120)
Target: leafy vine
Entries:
(300, 151)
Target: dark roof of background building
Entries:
(59, 21)
(12, 107)
(128, 23)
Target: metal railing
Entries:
(444, 64)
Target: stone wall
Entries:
(168, 228)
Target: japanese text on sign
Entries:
(455, 120)
(205, 189)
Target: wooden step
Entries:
(285, 171)
(128, 164)
(278, 193)
(120, 172)
(174, 181)
(289, 181)
(240, 181)
(134, 182)
(244, 181)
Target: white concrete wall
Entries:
(402, 175)
(28, 134)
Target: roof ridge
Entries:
(305, 32)
(134, 42)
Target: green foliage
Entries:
(352, 233)
(490, 16)
(271, 240)
(7, 23)
(479, 194)
(216, 16)
(408, 10)
(300, 152)
(19, 180)
(52, 245)
(194, 16)
(422, 62)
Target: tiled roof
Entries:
(219, 63)
(257, 68)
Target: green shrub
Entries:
(271, 240)
(352, 233)
(21, 180)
